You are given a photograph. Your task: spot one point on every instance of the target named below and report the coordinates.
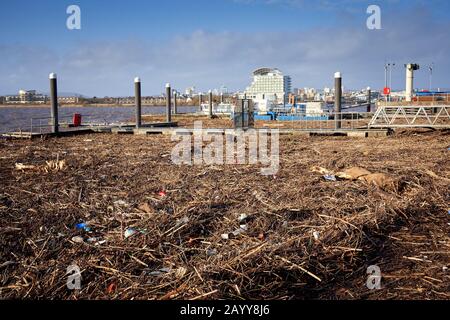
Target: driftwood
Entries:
(304, 237)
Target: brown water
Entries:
(21, 118)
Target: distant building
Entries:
(2, 100)
(223, 90)
(189, 91)
(269, 84)
(68, 100)
(27, 97)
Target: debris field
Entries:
(140, 227)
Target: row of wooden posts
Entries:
(137, 90)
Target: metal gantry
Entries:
(435, 116)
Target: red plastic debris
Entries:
(162, 193)
(111, 288)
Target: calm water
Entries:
(19, 118)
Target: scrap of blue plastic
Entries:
(82, 225)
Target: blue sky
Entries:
(209, 43)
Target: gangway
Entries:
(425, 116)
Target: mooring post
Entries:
(169, 103)
(138, 101)
(369, 99)
(210, 104)
(54, 102)
(175, 106)
(338, 99)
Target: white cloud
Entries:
(209, 60)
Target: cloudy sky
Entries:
(209, 43)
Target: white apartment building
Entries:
(269, 84)
(26, 96)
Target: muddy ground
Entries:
(304, 238)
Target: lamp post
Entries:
(391, 65)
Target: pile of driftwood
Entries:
(138, 227)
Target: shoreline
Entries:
(84, 106)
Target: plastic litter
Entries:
(243, 228)
(96, 241)
(329, 177)
(111, 288)
(162, 193)
(82, 226)
(129, 232)
(242, 217)
(316, 235)
(225, 236)
(211, 252)
(78, 239)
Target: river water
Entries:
(19, 118)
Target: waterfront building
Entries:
(190, 91)
(269, 84)
(26, 96)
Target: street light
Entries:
(386, 66)
(392, 65)
(431, 68)
(388, 82)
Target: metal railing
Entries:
(325, 121)
(44, 124)
(412, 116)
